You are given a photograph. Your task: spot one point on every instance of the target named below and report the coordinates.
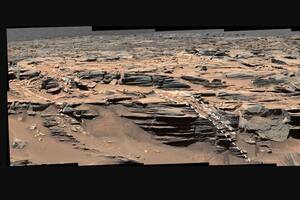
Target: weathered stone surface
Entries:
(169, 83)
(195, 80)
(268, 124)
(80, 112)
(276, 79)
(21, 163)
(31, 113)
(276, 61)
(91, 75)
(233, 96)
(140, 80)
(50, 121)
(240, 75)
(253, 108)
(217, 53)
(18, 144)
(160, 81)
(124, 161)
(54, 90)
(49, 83)
(89, 58)
(292, 159)
(29, 74)
(173, 124)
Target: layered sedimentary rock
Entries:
(233, 97)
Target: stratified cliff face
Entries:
(145, 99)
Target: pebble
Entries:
(33, 127)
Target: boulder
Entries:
(266, 123)
(49, 83)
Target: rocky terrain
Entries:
(155, 99)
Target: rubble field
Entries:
(155, 99)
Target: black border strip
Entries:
(185, 28)
(4, 139)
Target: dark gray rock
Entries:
(79, 112)
(253, 109)
(170, 83)
(124, 161)
(49, 83)
(91, 75)
(290, 57)
(54, 90)
(279, 62)
(86, 114)
(31, 113)
(81, 85)
(68, 110)
(276, 79)
(177, 127)
(20, 163)
(240, 75)
(18, 144)
(57, 131)
(195, 80)
(160, 81)
(250, 64)
(201, 68)
(11, 112)
(50, 121)
(233, 96)
(266, 123)
(140, 80)
(29, 74)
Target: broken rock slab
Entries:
(233, 96)
(195, 80)
(160, 81)
(29, 74)
(279, 62)
(276, 79)
(266, 123)
(240, 75)
(80, 112)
